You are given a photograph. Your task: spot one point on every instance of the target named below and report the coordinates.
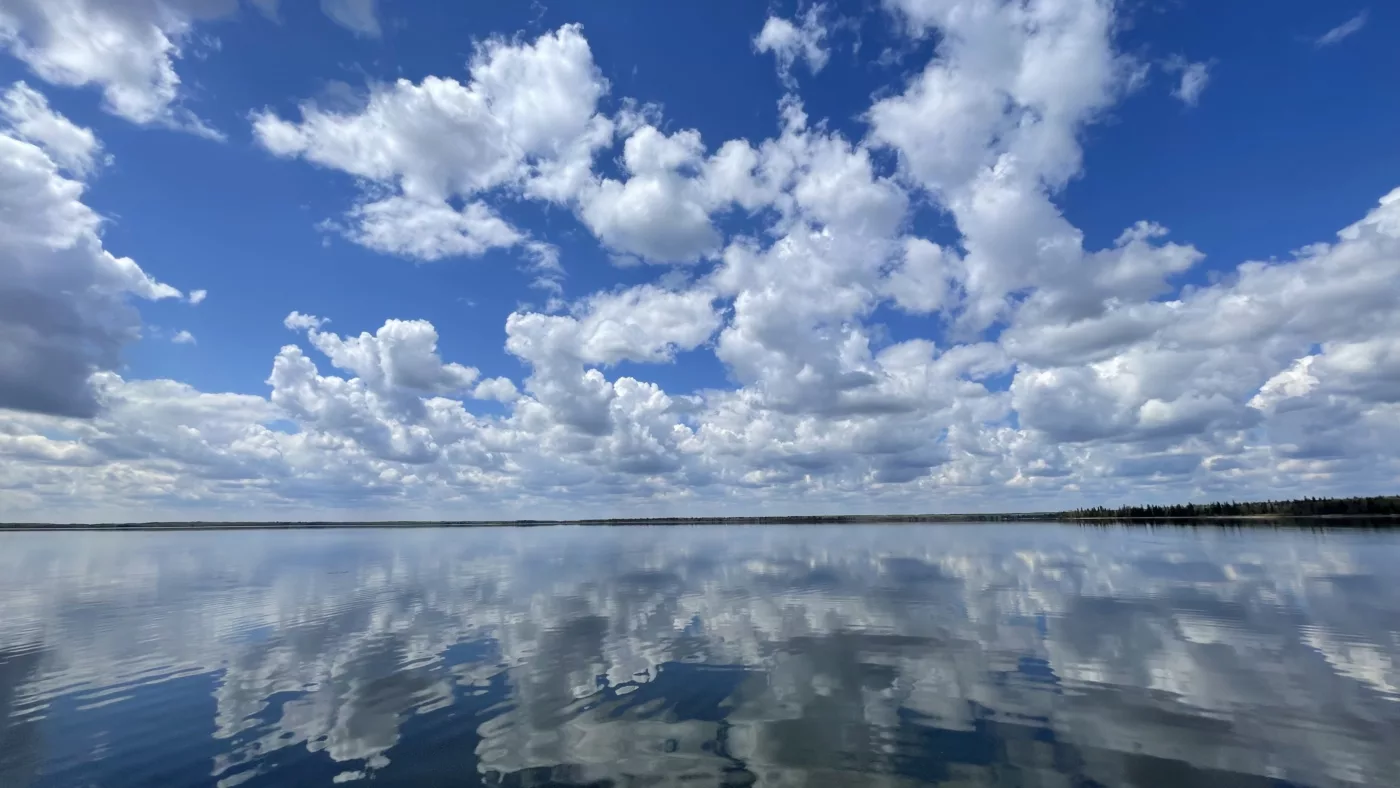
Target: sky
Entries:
(376, 259)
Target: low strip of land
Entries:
(1373, 511)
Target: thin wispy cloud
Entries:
(1194, 79)
(1344, 31)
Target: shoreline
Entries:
(1048, 518)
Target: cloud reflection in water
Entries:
(783, 656)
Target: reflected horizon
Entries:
(1006, 654)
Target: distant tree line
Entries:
(1303, 507)
(1374, 506)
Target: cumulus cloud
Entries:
(1344, 31)
(429, 230)
(659, 213)
(296, 321)
(66, 298)
(130, 49)
(72, 147)
(197, 297)
(183, 338)
(400, 355)
(1027, 366)
(990, 129)
(1228, 363)
(645, 324)
(389, 409)
(126, 49)
(790, 42)
(526, 123)
(501, 389)
(525, 114)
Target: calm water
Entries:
(777, 656)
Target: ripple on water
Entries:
(1018, 655)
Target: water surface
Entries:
(972, 655)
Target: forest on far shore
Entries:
(1377, 506)
(1302, 507)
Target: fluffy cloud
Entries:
(646, 324)
(659, 213)
(990, 130)
(72, 147)
(127, 49)
(402, 355)
(868, 364)
(1230, 368)
(790, 43)
(429, 230)
(65, 297)
(526, 112)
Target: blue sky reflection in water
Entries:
(958, 655)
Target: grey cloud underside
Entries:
(64, 299)
(47, 352)
(1068, 374)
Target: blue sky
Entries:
(960, 175)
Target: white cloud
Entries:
(127, 49)
(1277, 376)
(357, 16)
(401, 355)
(296, 321)
(183, 338)
(429, 230)
(1344, 31)
(1194, 78)
(658, 213)
(644, 324)
(990, 130)
(524, 102)
(197, 297)
(72, 147)
(922, 280)
(525, 116)
(65, 303)
(1221, 358)
(790, 43)
(500, 389)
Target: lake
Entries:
(963, 655)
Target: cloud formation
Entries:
(130, 49)
(789, 43)
(66, 299)
(126, 49)
(524, 120)
(1045, 369)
